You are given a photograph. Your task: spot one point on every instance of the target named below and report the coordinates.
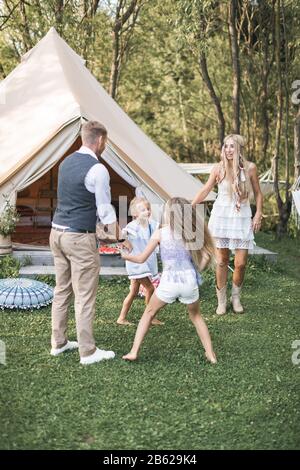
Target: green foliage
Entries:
(87, 31)
(208, 276)
(8, 219)
(9, 267)
(261, 263)
(160, 85)
(50, 280)
(288, 250)
(26, 260)
(293, 227)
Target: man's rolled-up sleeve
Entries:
(101, 181)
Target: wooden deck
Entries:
(36, 270)
(269, 255)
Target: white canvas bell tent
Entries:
(197, 168)
(44, 102)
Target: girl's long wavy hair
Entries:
(237, 175)
(187, 223)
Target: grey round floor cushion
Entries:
(24, 294)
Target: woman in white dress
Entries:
(231, 223)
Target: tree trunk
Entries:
(59, 12)
(120, 19)
(2, 72)
(264, 111)
(95, 4)
(279, 98)
(185, 132)
(235, 65)
(206, 78)
(268, 60)
(297, 146)
(287, 94)
(25, 30)
(115, 66)
(284, 208)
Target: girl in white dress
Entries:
(231, 222)
(139, 232)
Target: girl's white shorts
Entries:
(186, 292)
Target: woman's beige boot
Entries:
(235, 299)
(222, 300)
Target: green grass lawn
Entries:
(171, 398)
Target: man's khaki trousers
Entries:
(77, 266)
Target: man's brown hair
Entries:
(91, 131)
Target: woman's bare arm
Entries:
(201, 195)
(256, 222)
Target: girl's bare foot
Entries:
(211, 358)
(155, 321)
(130, 357)
(124, 322)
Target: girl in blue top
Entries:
(139, 232)
(186, 248)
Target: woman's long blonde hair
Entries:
(238, 174)
(187, 223)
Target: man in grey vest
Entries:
(83, 191)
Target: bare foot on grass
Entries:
(124, 322)
(155, 321)
(211, 358)
(130, 357)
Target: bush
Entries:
(48, 279)
(8, 219)
(9, 267)
(293, 229)
(271, 216)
